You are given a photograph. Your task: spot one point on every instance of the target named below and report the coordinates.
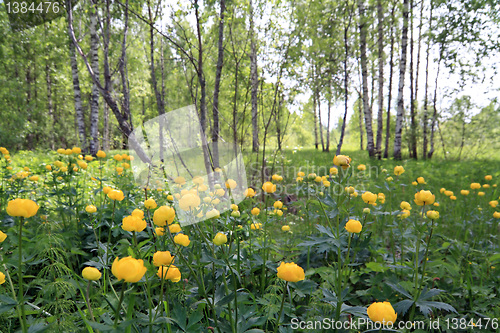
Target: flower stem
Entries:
(117, 312)
(87, 300)
(20, 276)
(281, 308)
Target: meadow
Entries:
(326, 243)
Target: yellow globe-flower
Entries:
(481, 194)
(164, 215)
(212, 214)
(91, 273)
(353, 226)
(342, 161)
(162, 258)
(464, 192)
(3, 236)
(230, 183)
(137, 212)
(268, 187)
(382, 312)
(421, 180)
(180, 180)
(333, 171)
(493, 203)
(399, 170)
(488, 177)
(128, 269)
(118, 157)
(150, 204)
(220, 239)
(278, 204)
(290, 272)
(2, 278)
(423, 198)
(475, 186)
(255, 211)
(91, 209)
(116, 195)
(171, 273)
(256, 226)
(404, 213)
(432, 214)
(285, 228)
(189, 201)
(405, 205)
(496, 215)
(369, 197)
(133, 223)
(361, 167)
(249, 192)
(174, 228)
(101, 154)
(182, 239)
(22, 207)
(160, 231)
(89, 158)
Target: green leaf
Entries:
(398, 288)
(375, 266)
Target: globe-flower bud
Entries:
(182, 239)
(91, 273)
(162, 258)
(171, 273)
(91, 209)
(423, 198)
(269, 187)
(382, 312)
(290, 272)
(150, 204)
(353, 226)
(220, 239)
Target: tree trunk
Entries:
(77, 93)
(380, 116)
(346, 85)
(201, 74)
(361, 143)
(413, 85)
(124, 70)
(106, 90)
(94, 97)
(364, 74)
(328, 124)
(254, 82)
(277, 116)
(426, 97)
(315, 121)
(434, 114)
(218, 73)
(105, 135)
(391, 66)
(50, 107)
(402, 70)
(318, 98)
(158, 95)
